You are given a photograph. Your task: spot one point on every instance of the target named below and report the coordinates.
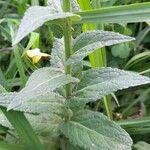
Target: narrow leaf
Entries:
(87, 42)
(7, 146)
(23, 129)
(117, 14)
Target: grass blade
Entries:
(117, 14)
(23, 128)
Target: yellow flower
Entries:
(36, 55)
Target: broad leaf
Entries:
(87, 42)
(40, 85)
(96, 83)
(36, 16)
(45, 124)
(40, 103)
(6, 98)
(21, 125)
(92, 130)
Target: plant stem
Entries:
(67, 41)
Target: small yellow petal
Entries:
(36, 59)
(33, 52)
(36, 55)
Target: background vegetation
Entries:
(130, 108)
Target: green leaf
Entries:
(38, 93)
(2, 90)
(117, 14)
(58, 58)
(42, 124)
(45, 124)
(6, 98)
(57, 54)
(96, 83)
(39, 103)
(22, 126)
(36, 16)
(7, 146)
(121, 50)
(141, 145)
(92, 130)
(4, 121)
(23, 129)
(87, 42)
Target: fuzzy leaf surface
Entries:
(36, 16)
(57, 54)
(58, 58)
(45, 124)
(39, 87)
(92, 130)
(87, 42)
(96, 83)
(6, 98)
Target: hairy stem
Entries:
(67, 41)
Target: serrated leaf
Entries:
(36, 16)
(41, 103)
(87, 42)
(92, 130)
(96, 83)
(40, 85)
